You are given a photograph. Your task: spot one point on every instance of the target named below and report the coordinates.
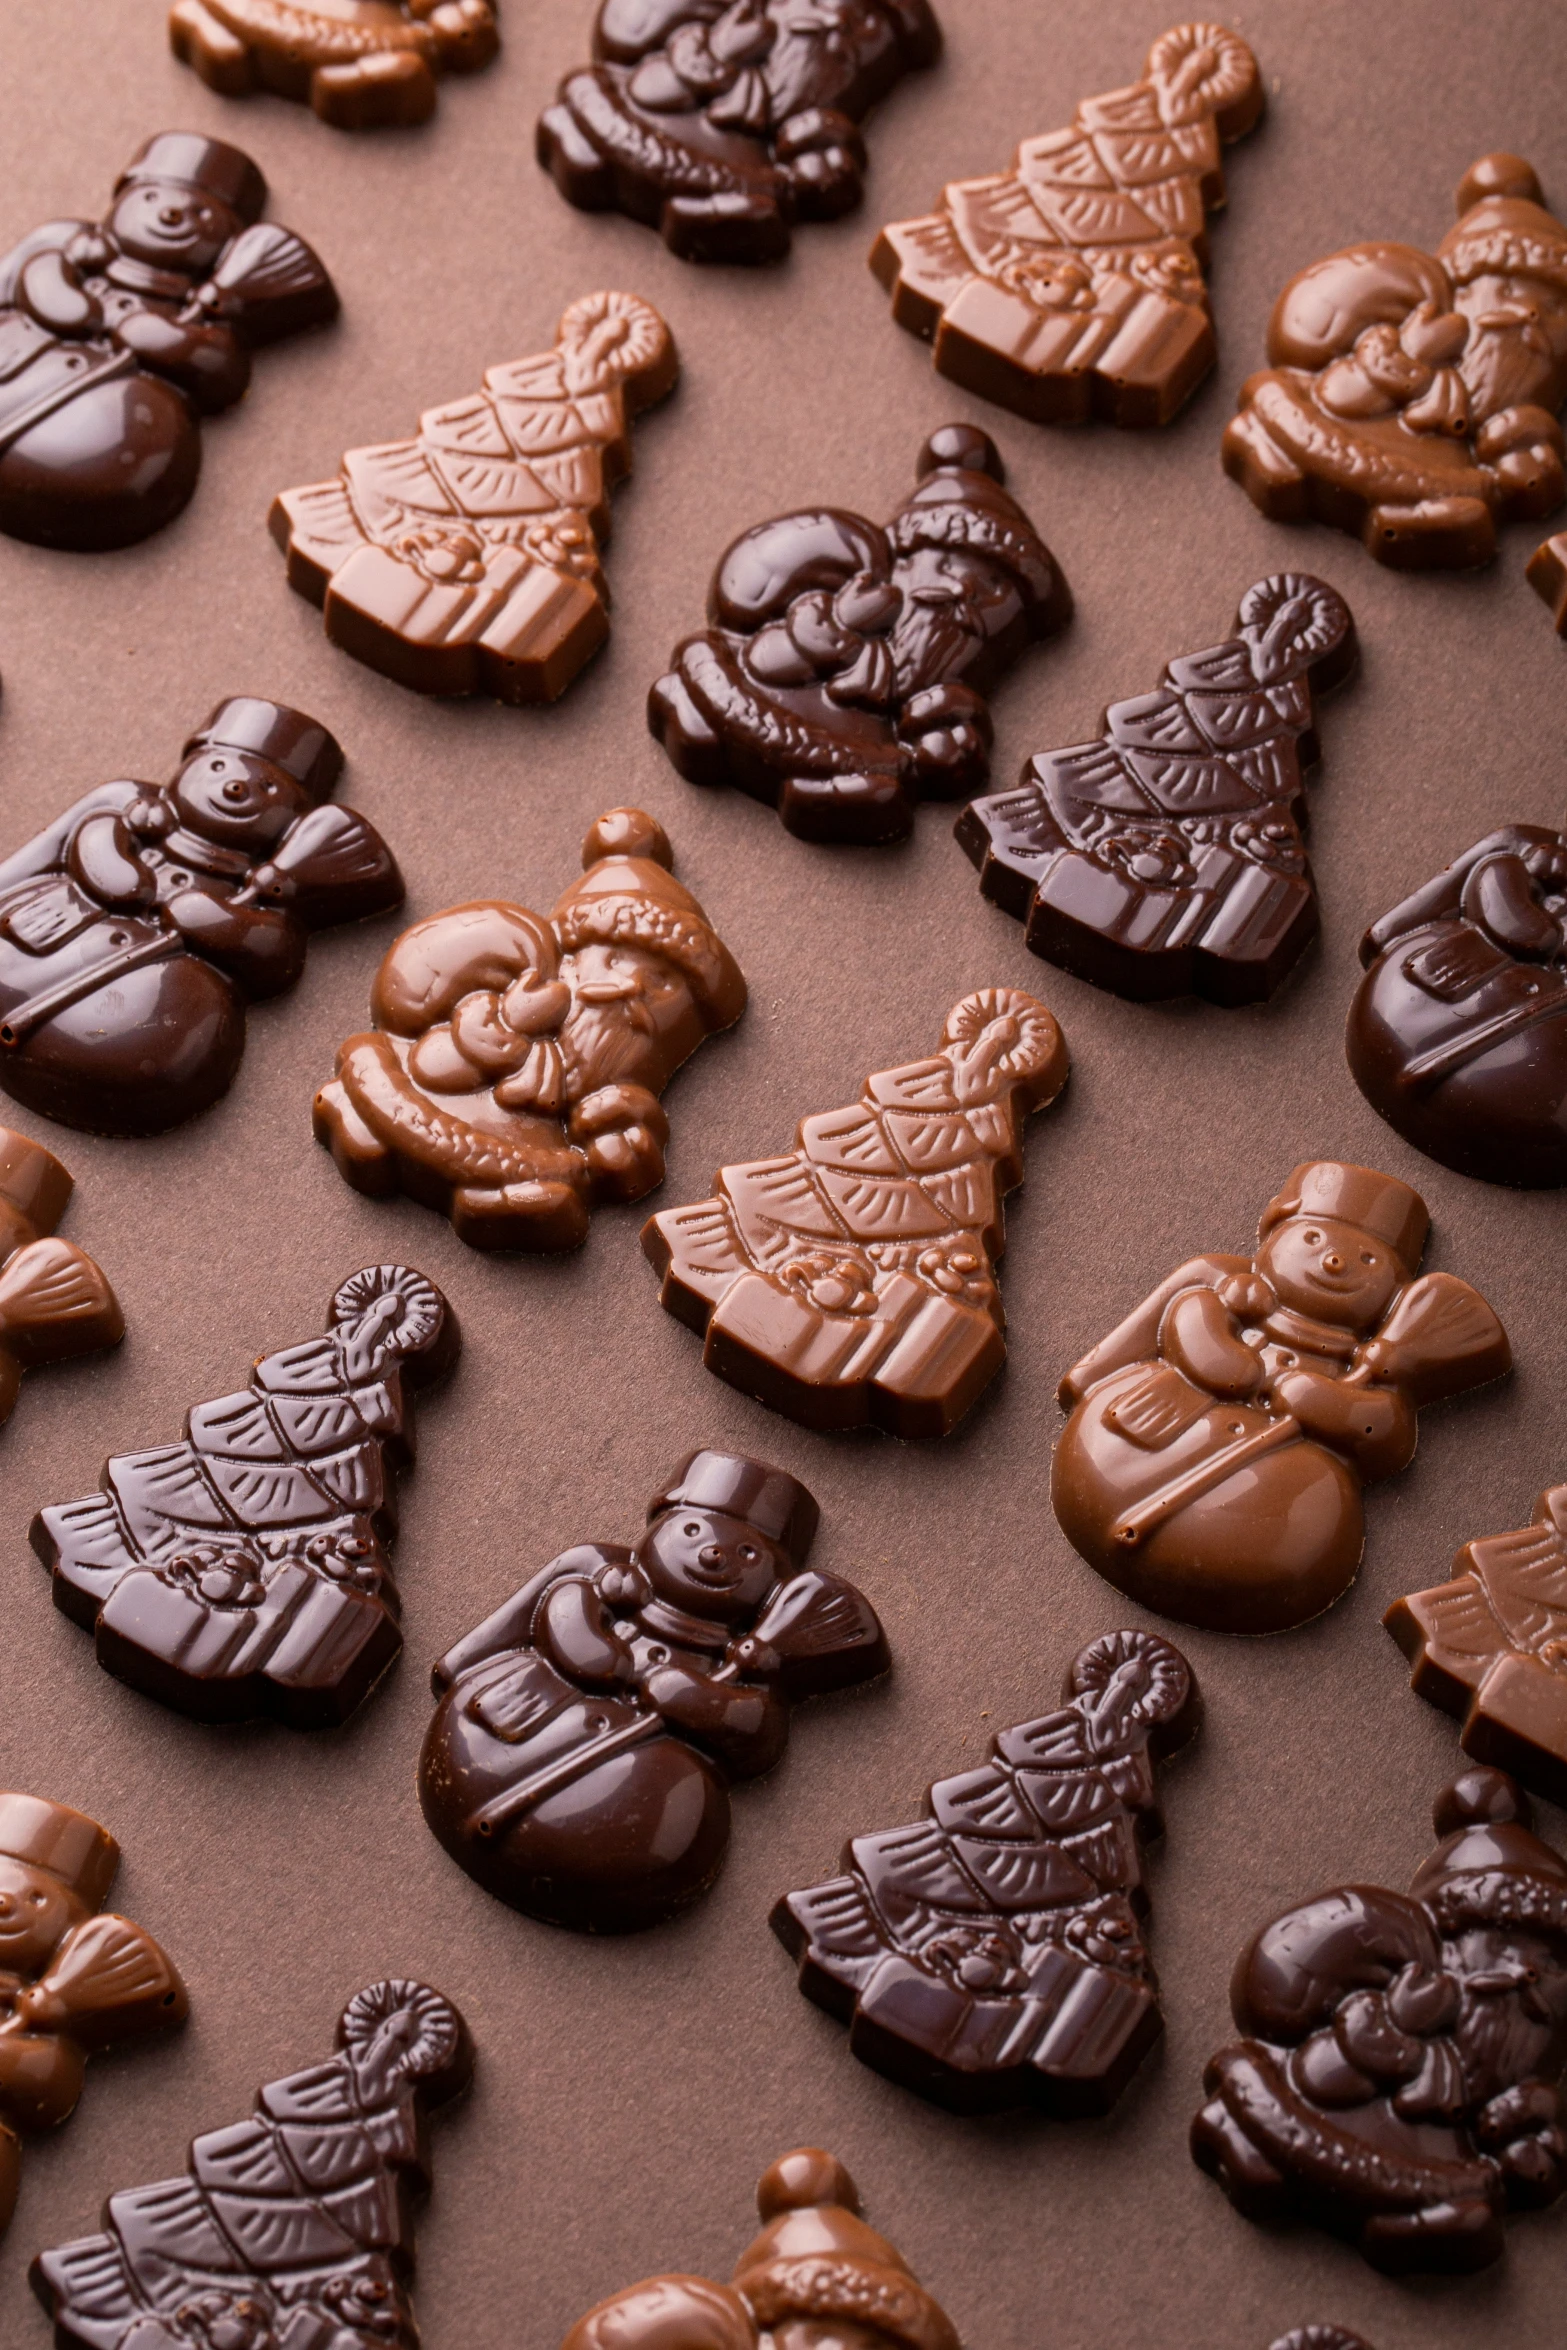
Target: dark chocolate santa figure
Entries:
(1398, 2078)
(72, 1980)
(292, 2229)
(1167, 858)
(117, 337)
(243, 1571)
(136, 928)
(580, 1759)
(1458, 1033)
(843, 677)
(722, 122)
(991, 1955)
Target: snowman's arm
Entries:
(46, 852)
(1197, 1334)
(260, 947)
(54, 237)
(208, 362)
(1136, 1340)
(511, 1626)
(745, 1726)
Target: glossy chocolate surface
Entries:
(851, 1282)
(1071, 285)
(1458, 1032)
(1167, 857)
(1219, 1437)
(1320, 2338)
(243, 1571)
(54, 1301)
(358, 63)
(467, 559)
(1397, 2078)
(117, 336)
(991, 1954)
(844, 676)
(816, 2278)
(74, 1979)
(1490, 1646)
(514, 1072)
(723, 122)
(586, 1736)
(135, 929)
(1412, 399)
(1547, 575)
(292, 2227)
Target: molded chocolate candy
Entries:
(135, 929)
(1413, 399)
(1491, 1646)
(991, 1955)
(816, 2278)
(75, 1980)
(580, 1758)
(1071, 285)
(1458, 1033)
(843, 678)
(466, 560)
(1166, 858)
(1219, 1438)
(722, 122)
(293, 2227)
(852, 1282)
(243, 1571)
(1546, 571)
(117, 337)
(1397, 2081)
(54, 1301)
(513, 1076)
(359, 63)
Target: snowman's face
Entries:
(35, 1911)
(1332, 1271)
(709, 1564)
(238, 801)
(171, 226)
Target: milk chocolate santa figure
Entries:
(1413, 399)
(816, 2278)
(843, 678)
(54, 1301)
(722, 122)
(1397, 2082)
(1072, 284)
(359, 63)
(1219, 1438)
(851, 1282)
(579, 1761)
(136, 928)
(72, 1981)
(513, 1076)
(117, 337)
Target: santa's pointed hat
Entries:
(628, 895)
(962, 503)
(816, 2258)
(1490, 1868)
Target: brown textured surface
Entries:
(628, 2094)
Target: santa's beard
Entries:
(930, 643)
(607, 1044)
(1499, 2043)
(1505, 367)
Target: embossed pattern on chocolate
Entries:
(852, 1281)
(54, 1301)
(75, 1980)
(292, 2227)
(1071, 285)
(243, 1570)
(1458, 1033)
(844, 676)
(723, 122)
(1167, 858)
(581, 1754)
(468, 559)
(816, 2278)
(1219, 1437)
(1397, 2081)
(514, 1072)
(991, 1954)
(358, 63)
(1490, 1645)
(1413, 399)
(117, 337)
(135, 929)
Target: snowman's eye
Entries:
(1368, 1256)
(746, 1552)
(693, 1531)
(39, 1899)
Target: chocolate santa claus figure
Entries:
(117, 337)
(1219, 1438)
(1397, 2082)
(513, 1074)
(843, 678)
(72, 1980)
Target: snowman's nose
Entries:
(1332, 1262)
(171, 214)
(234, 790)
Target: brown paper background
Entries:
(628, 2093)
